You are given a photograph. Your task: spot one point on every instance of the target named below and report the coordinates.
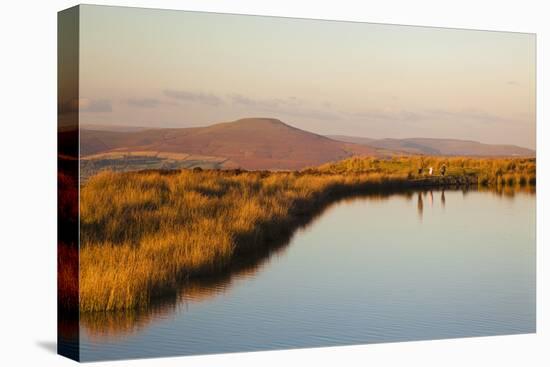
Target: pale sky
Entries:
(163, 68)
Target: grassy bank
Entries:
(486, 172)
(144, 233)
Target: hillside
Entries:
(440, 147)
(251, 143)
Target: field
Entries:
(147, 160)
(143, 234)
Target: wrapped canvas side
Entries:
(67, 184)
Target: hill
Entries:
(440, 147)
(251, 143)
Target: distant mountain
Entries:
(251, 143)
(120, 128)
(448, 147)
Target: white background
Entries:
(28, 181)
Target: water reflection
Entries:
(429, 194)
(508, 192)
(121, 324)
(114, 325)
(420, 205)
(200, 297)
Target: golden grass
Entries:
(496, 171)
(142, 233)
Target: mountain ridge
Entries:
(439, 146)
(257, 143)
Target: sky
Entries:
(164, 68)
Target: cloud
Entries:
(397, 115)
(326, 111)
(290, 106)
(94, 105)
(255, 103)
(202, 98)
(471, 114)
(416, 122)
(414, 118)
(143, 102)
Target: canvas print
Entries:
(233, 183)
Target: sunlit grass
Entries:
(142, 233)
(506, 171)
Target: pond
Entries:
(412, 265)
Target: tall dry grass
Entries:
(487, 171)
(142, 233)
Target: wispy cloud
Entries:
(95, 105)
(256, 103)
(289, 107)
(470, 114)
(423, 115)
(203, 98)
(286, 106)
(376, 114)
(326, 111)
(143, 102)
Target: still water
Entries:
(405, 266)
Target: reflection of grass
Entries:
(121, 324)
(117, 325)
(142, 233)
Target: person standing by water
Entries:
(431, 171)
(443, 169)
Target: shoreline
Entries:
(272, 233)
(144, 233)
